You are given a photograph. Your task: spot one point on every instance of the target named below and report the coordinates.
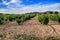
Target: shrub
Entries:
(53, 17)
(46, 20)
(43, 19)
(50, 12)
(1, 13)
(24, 17)
(5, 18)
(45, 12)
(32, 15)
(40, 18)
(56, 12)
(11, 18)
(18, 16)
(1, 20)
(27, 17)
(19, 21)
(59, 18)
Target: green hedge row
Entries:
(23, 18)
(19, 18)
(44, 18)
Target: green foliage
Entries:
(19, 21)
(56, 12)
(45, 13)
(19, 18)
(28, 16)
(1, 19)
(24, 17)
(53, 17)
(43, 19)
(5, 18)
(58, 18)
(1, 13)
(40, 18)
(11, 18)
(51, 12)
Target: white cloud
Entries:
(10, 2)
(3, 11)
(14, 1)
(19, 8)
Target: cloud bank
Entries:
(15, 6)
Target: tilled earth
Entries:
(31, 27)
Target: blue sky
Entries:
(24, 6)
(39, 1)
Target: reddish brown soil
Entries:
(32, 26)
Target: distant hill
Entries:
(36, 12)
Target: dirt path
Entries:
(31, 26)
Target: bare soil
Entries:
(32, 26)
